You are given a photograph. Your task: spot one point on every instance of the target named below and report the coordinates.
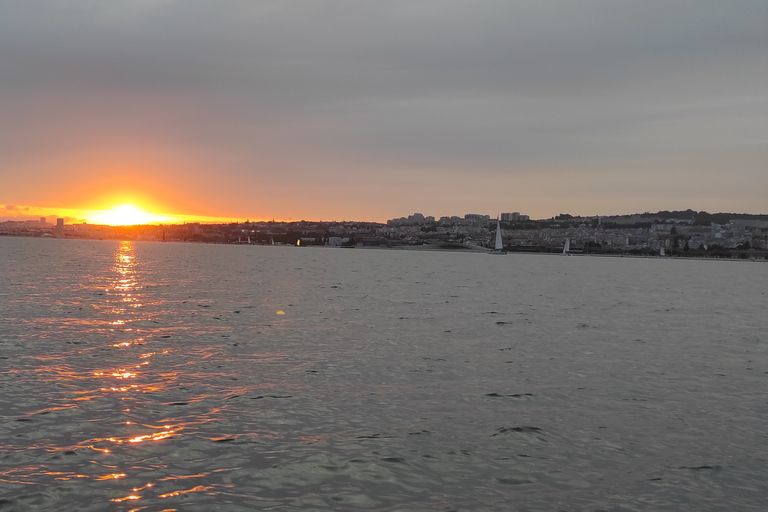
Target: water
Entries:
(150, 376)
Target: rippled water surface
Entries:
(150, 376)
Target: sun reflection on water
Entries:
(124, 286)
(124, 300)
(122, 385)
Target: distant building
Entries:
(510, 217)
(744, 224)
(58, 231)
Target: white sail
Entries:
(661, 252)
(499, 242)
(567, 246)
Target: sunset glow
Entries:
(123, 214)
(127, 215)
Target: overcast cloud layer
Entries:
(357, 109)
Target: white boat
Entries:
(661, 252)
(498, 247)
(567, 247)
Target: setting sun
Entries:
(126, 215)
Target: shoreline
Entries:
(450, 248)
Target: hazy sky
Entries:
(355, 109)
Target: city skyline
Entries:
(666, 233)
(128, 215)
(342, 110)
(417, 218)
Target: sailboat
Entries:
(498, 247)
(567, 247)
(661, 252)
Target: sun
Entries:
(125, 215)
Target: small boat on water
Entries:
(567, 247)
(499, 245)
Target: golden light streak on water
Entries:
(120, 390)
(199, 488)
(159, 436)
(113, 476)
(127, 498)
(124, 375)
(182, 477)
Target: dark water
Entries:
(150, 376)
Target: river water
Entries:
(190, 377)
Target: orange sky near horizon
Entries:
(123, 214)
(162, 200)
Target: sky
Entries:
(371, 110)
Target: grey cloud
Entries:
(319, 51)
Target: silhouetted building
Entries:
(58, 231)
(510, 217)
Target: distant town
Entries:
(676, 233)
